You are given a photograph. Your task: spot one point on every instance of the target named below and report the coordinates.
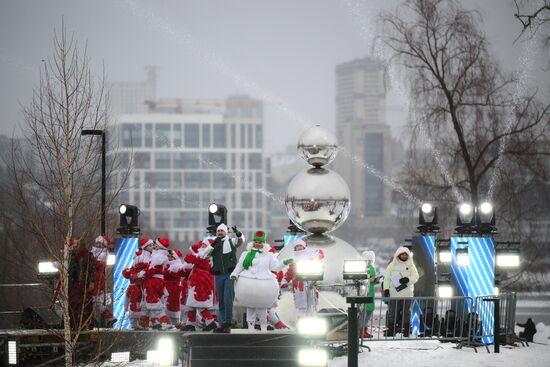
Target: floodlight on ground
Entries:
(312, 269)
(122, 209)
(111, 259)
(12, 352)
(444, 290)
(120, 357)
(165, 353)
(48, 267)
(313, 357)
(462, 257)
(356, 269)
(485, 218)
(312, 326)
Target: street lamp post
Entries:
(102, 134)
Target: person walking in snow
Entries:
(529, 331)
(257, 288)
(224, 257)
(399, 280)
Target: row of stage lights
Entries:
(469, 219)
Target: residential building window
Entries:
(191, 135)
(219, 136)
(196, 180)
(162, 160)
(148, 135)
(131, 135)
(176, 135)
(254, 161)
(162, 220)
(142, 160)
(167, 200)
(206, 135)
(162, 135)
(186, 160)
(163, 180)
(259, 136)
(214, 161)
(191, 199)
(250, 136)
(233, 136)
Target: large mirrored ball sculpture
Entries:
(317, 146)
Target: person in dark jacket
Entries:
(529, 331)
(224, 257)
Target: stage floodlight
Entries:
(496, 291)
(312, 326)
(508, 260)
(48, 267)
(444, 252)
(465, 218)
(310, 269)
(165, 353)
(122, 209)
(313, 357)
(444, 290)
(217, 214)
(462, 256)
(427, 219)
(120, 357)
(12, 352)
(485, 218)
(111, 259)
(356, 269)
(129, 216)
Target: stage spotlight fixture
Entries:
(310, 269)
(427, 219)
(462, 257)
(312, 326)
(48, 267)
(465, 218)
(485, 218)
(129, 223)
(313, 357)
(217, 214)
(444, 252)
(356, 269)
(444, 290)
(120, 357)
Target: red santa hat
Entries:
(197, 246)
(163, 243)
(298, 242)
(177, 253)
(139, 252)
(144, 242)
(104, 240)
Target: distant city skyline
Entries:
(283, 53)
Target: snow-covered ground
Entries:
(436, 354)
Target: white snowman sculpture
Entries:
(318, 202)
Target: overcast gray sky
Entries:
(284, 51)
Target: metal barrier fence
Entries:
(463, 320)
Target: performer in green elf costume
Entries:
(368, 309)
(256, 287)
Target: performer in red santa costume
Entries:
(272, 316)
(154, 285)
(185, 273)
(201, 295)
(134, 293)
(172, 277)
(100, 252)
(301, 252)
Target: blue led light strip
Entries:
(124, 251)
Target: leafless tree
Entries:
(477, 133)
(534, 18)
(54, 179)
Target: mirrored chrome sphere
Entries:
(318, 200)
(317, 146)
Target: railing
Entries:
(463, 320)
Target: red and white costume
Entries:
(153, 285)
(100, 252)
(134, 293)
(201, 293)
(298, 286)
(172, 279)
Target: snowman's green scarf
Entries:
(249, 257)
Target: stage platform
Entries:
(193, 349)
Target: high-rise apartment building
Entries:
(188, 153)
(363, 135)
